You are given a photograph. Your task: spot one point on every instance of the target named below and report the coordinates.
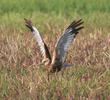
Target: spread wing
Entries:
(67, 38)
(43, 47)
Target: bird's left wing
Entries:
(43, 47)
(67, 38)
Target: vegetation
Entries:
(21, 74)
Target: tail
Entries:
(67, 65)
(29, 24)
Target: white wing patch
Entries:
(39, 40)
(43, 47)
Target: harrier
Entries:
(57, 61)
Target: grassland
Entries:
(22, 77)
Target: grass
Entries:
(21, 74)
(55, 7)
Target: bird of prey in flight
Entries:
(56, 62)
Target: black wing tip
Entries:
(28, 24)
(79, 28)
(80, 21)
(75, 24)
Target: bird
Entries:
(56, 62)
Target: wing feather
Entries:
(67, 38)
(43, 47)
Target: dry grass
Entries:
(22, 76)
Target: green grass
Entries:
(21, 75)
(64, 7)
(95, 13)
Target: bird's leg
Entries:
(48, 74)
(55, 75)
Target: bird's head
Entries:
(46, 61)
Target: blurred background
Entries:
(91, 11)
(22, 77)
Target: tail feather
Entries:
(67, 65)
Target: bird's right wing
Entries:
(43, 47)
(66, 39)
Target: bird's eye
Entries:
(43, 62)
